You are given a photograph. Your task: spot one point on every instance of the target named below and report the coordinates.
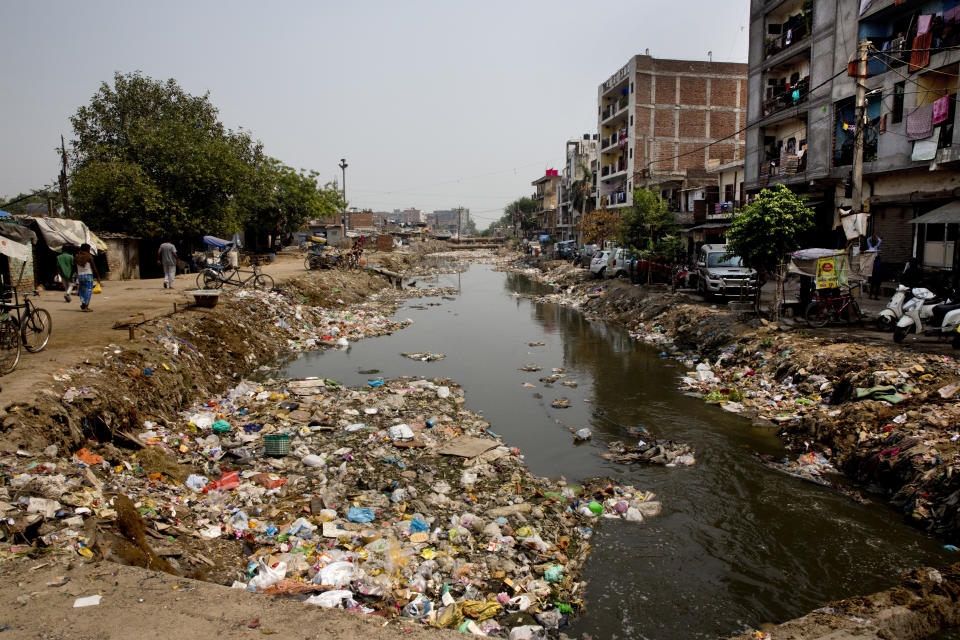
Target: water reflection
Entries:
(737, 545)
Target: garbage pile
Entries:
(388, 498)
(425, 356)
(663, 452)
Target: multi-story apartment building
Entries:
(546, 196)
(447, 220)
(656, 119)
(802, 101)
(580, 158)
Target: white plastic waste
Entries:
(582, 434)
(197, 483)
(267, 576)
(401, 432)
(335, 574)
(331, 599)
(313, 460)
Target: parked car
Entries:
(618, 264)
(598, 264)
(721, 275)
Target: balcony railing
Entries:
(614, 108)
(787, 96)
(795, 29)
(614, 167)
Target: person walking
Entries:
(86, 271)
(66, 268)
(167, 258)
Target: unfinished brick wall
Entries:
(693, 124)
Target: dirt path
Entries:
(38, 602)
(77, 336)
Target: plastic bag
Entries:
(335, 574)
(331, 599)
(267, 576)
(97, 289)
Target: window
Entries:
(631, 120)
(897, 112)
(631, 87)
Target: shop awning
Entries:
(948, 213)
(710, 225)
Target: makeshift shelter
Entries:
(53, 234)
(831, 268)
(16, 256)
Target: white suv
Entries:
(723, 276)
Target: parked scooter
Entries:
(940, 320)
(887, 319)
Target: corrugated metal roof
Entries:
(948, 213)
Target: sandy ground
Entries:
(138, 603)
(77, 335)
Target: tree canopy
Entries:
(765, 230)
(152, 160)
(521, 212)
(599, 225)
(646, 223)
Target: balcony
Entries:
(786, 95)
(614, 141)
(614, 168)
(787, 27)
(895, 34)
(614, 108)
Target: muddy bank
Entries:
(885, 417)
(922, 604)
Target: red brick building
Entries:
(656, 116)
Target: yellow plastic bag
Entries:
(97, 289)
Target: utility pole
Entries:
(861, 119)
(64, 197)
(343, 214)
(459, 213)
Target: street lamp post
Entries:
(343, 217)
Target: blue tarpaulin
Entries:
(214, 241)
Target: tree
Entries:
(766, 230)
(153, 160)
(284, 199)
(646, 223)
(598, 226)
(17, 205)
(581, 191)
(521, 212)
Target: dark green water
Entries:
(737, 545)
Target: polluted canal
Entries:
(736, 545)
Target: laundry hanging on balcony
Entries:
(920, 57)
(920, 123)
(941, 109)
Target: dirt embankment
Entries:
(887, 417)
(208, 349)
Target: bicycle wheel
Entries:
(209, 279)
(9, 345)
(263, 281)
(854, 314)
(35, 330)
(817, 314)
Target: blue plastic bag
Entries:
(358, 514)
(417, 525)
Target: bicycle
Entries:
(29, 330)
(824, 309)
(212, 277)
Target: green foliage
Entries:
(646, 223)
(153, 160)
(521, 212)
(283, 199)
(17, 205)
(671, 247)
(768, 228)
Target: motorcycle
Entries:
(931, 320)
(888, 317)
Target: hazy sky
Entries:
(434, 104)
